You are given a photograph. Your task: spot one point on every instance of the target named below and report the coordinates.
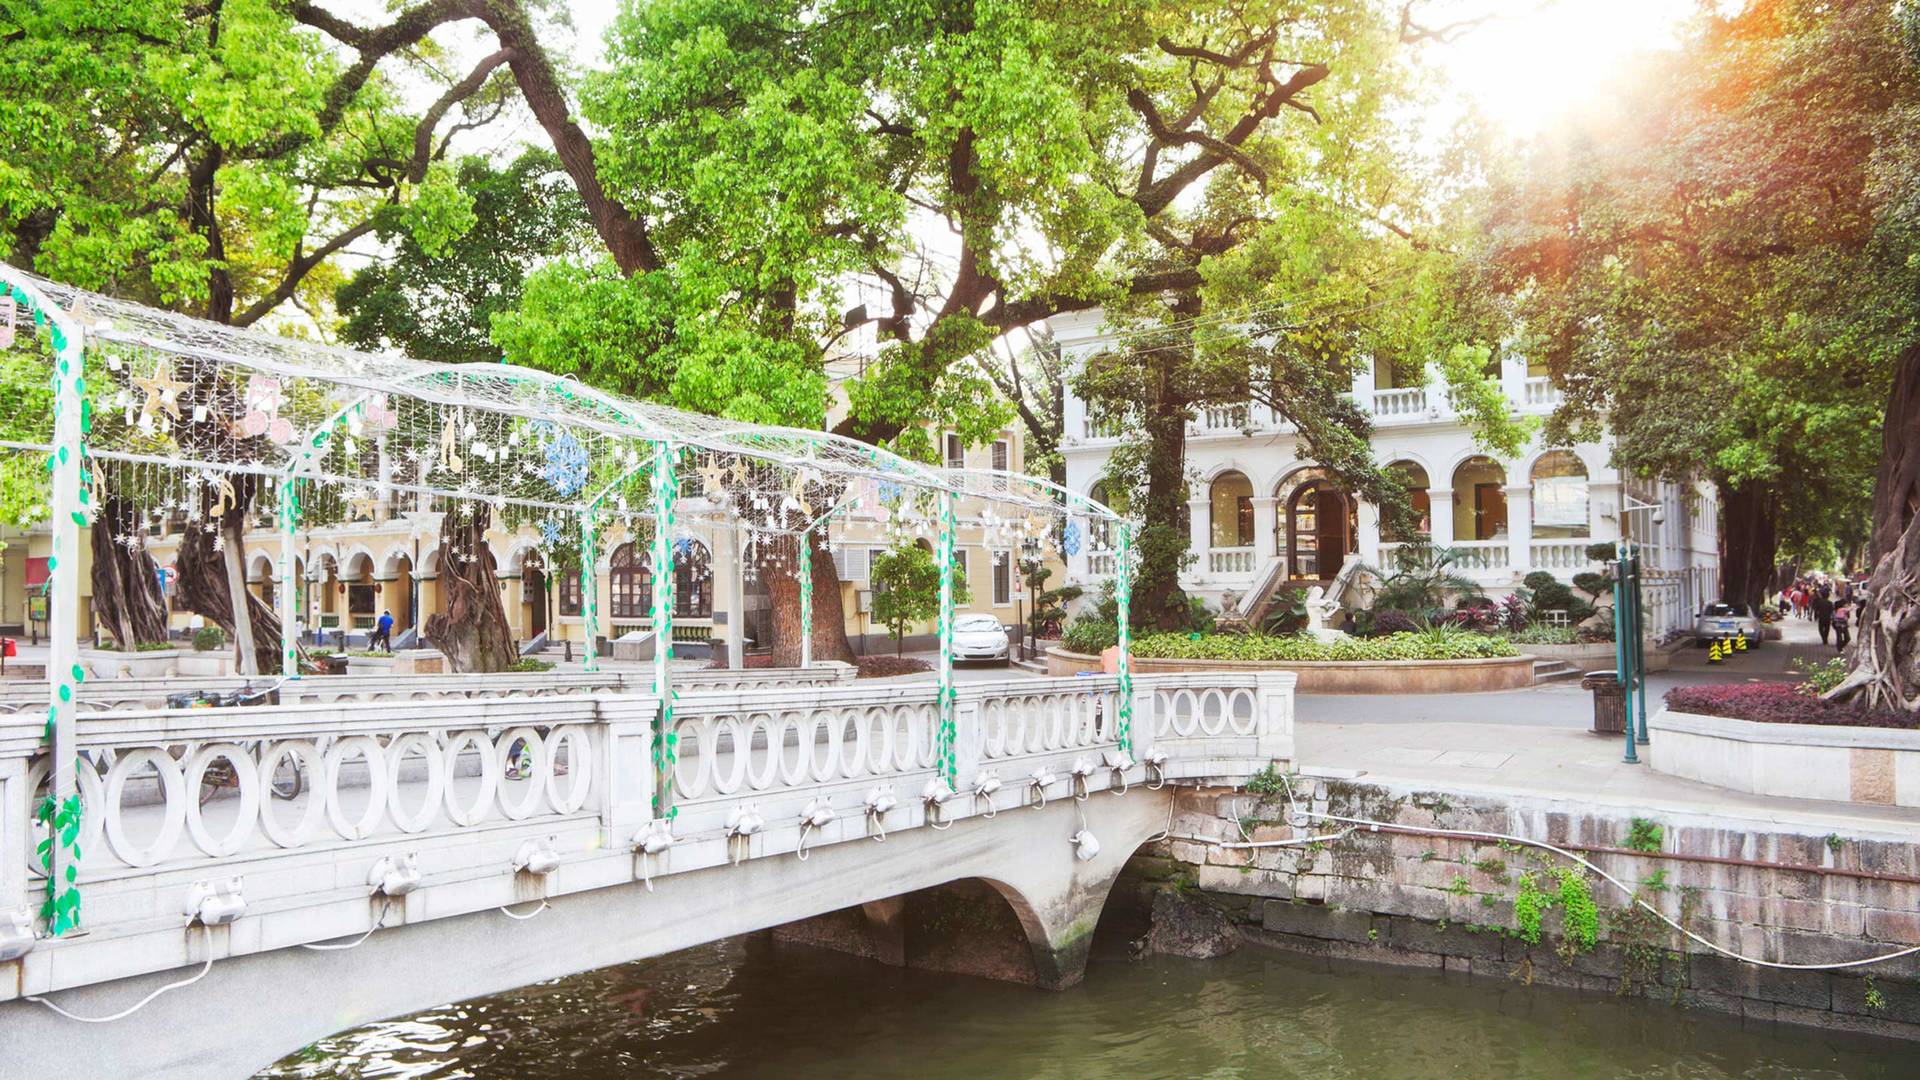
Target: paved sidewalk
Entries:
(1536, 743)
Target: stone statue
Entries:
(1320, 611)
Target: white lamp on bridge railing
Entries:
(214, 903)
(537, 856)
(1156, 762)
(395, 877)
(16, 934)
(1083, 770)
(1042, 779)
(933, 797)
(984, 785)
(650, 841)
(742, 823)
(1119, 761)
(815, 815)
(879, 801)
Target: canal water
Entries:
(752, 1008)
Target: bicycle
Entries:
(289, 779)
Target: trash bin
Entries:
(1609, 702)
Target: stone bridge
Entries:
(443, 846)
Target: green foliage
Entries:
(1422, 579)
(1530, 907)
(530, 664)
(212, 158)
(906, 588)
(1819, 676)
(209, 638)
(439, 306)
(1655, 882)
(1443, 643)
(1873, 998)
(1542, 634)
(1579, 915)
(1645, 836)
(1265, 782)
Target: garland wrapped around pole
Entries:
(59, 854)
(589, 588)
(805, 548)
(289, 629)
(1123, 601)
(666, 492)
(944, 749)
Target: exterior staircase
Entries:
(1551, 671)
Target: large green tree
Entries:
(1719, 266)
(215, 159)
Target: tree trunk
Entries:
(206, 588)
(471, 631)
(233, 527)
(126, 581)
(778, 568)
(1748, 540)
(1161, 550)
(1885, 654)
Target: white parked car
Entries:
(1719, 621)
(979, 637)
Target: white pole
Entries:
(805, 571)
(71, 508)
(666, 489)
(944, 755)
(289, 629)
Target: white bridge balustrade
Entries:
(462, 784)
(100, 694)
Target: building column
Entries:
(1363, 384)
(729, 557)
(1440, 510)
(1368, 542)
(1266, 530)
(1520, 528)
(1200, 533)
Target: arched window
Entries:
(631, 583)
(1100, 529)
(1479, 500)
(569, 588)
(692, 580)
(1560, 497)
(1230, 497)
(1414, 479)
(1321, 526)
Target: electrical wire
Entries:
(143, 1002)
(1633, 895)
(378, 922)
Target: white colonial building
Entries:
(1261, 515)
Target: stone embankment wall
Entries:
(1411, 896)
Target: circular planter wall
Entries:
(1794, 761)
(1340, 676)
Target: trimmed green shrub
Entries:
(209, 639)
(1439, 643)
(531, 664)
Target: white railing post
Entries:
(1274, 694)
(622, 767)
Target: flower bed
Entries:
(1772, 739)
(1780, 703)
(1407, 645)
(884, 667)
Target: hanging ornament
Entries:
(449, 449)
(1070, 538)
(225, 499)
(162, 393)
(713, 476)
(566, 469)
(380, 416)
(363, 505)
(264, 398)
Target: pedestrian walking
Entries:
(1823, 612)
(383, 632)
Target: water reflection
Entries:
(751, 1008)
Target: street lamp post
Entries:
(1628, 646)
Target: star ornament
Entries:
(362, 506)
(162, 391)
(713, 476)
